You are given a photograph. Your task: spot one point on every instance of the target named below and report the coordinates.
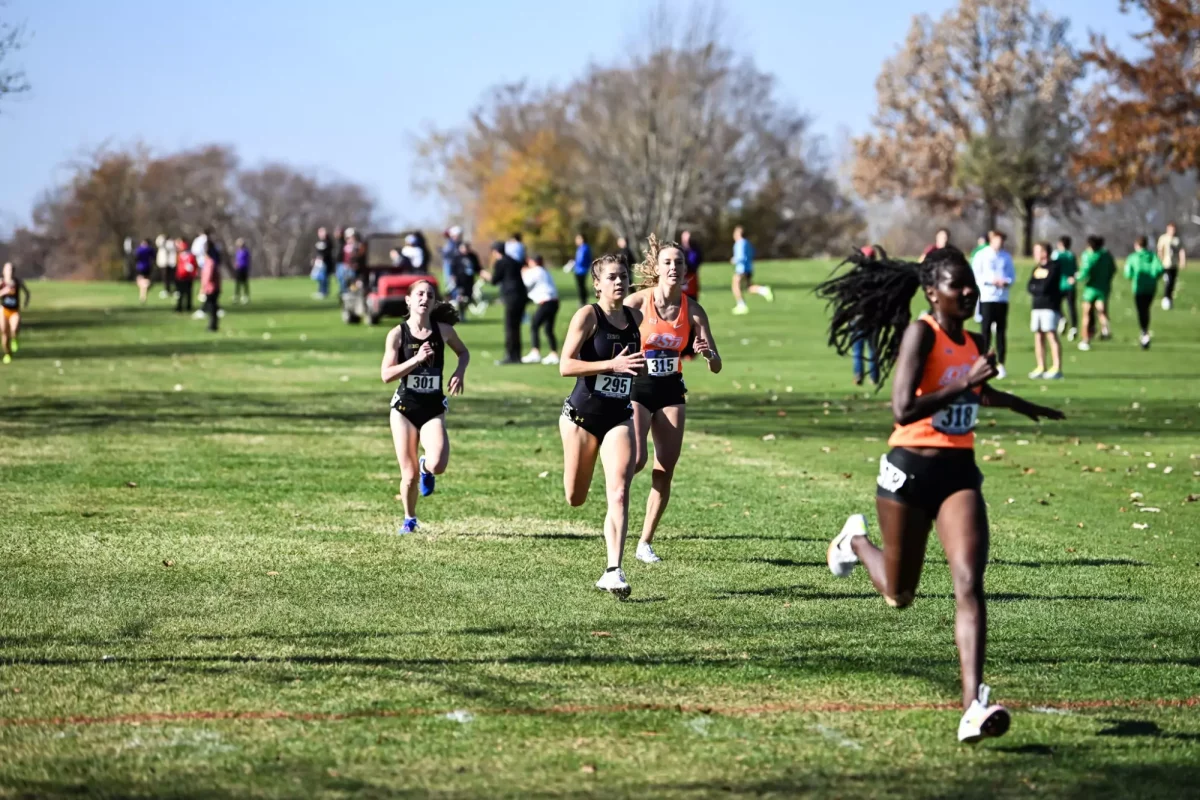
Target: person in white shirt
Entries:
(1174, 258)
(414, 254)
(164, 259)
(544, 295)
(994, 272)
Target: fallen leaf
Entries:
(1191, 498)
(1022, 441)
(1136, 496)
(781, 413)
(987, 458)
(399, 498)
(1168, 470)
(1140, 526)
(770, 437)
(1011, 500)
(601, 634)
(589, 769)
(1043, 502)
(1102, 446)
(847, 475)
(1029, 471)
(826, 449)
(716, 505)
(1150, 509)
(272, 573)
(1152, 465)
(1001, 452)
(544, 474)
(1079, 525)
(131, 484)
(179, 387)
(1070, 549)
(168, 562)
(1097, 469)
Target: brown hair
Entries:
(604, 261)
(442, 311)
(647, 268)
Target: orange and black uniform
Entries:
(420, 396)
(10, 300)
(926, 481)
(663, 344)
(599, 403)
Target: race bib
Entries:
(616, 386)
(660, 363)
(425, 384)
(891, 477)
(958, 418)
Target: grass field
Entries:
(202, 593)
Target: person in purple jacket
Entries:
(143, 265)
(241, 273)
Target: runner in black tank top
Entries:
(11, 288)
(600, 402)
(415, 354)
(602, 352)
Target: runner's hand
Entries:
(627, 363)
(425, 354)
(456, 384)
(982, 371)
(1036, 412)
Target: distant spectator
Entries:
(463, 271)
(1142, 270)
(414, 254)
(861, 344)
(940, 239)
(1067, 267)
(544, 295)
(345, 247)
(165, 259)
(210, 284)
(743, 273)
(324, 262)
(186, 270)
(623, 249)
(453, 236)
(514, 248)
(994, 273)
(506, 274)
(143, 265)
(1045, 293)
(693, 256)
(582, 267)
(353, 261)
(980, 243)
(241, 273)
(1173, 256)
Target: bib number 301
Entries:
(424, 383)
(956, 419)
(613, 385)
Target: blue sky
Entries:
(342, 87)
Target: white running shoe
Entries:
(1062, 325)
(645, 553)
(983, 721)
(532, 357)
(840, 555)
(1084, 346)
(163, 296)
(1166, 304)
(550, 359)
(615, 584)
(220, 313)
(741, 309)
(1071, 334)
(199, 314)
(1001, 372)
(1036, 374)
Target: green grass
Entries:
(267, 482)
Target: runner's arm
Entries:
(704, 332)
(392, 370)
(451, 338)
(24, 288)
(994, 398)
(583, 325)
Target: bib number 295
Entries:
(613, 385)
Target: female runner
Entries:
(930, 474)
(11, 288)
(602, 352)
(669, 318)
(415, 354)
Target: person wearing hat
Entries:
(414, 254)
(506, 274)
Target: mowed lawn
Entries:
(202, 593)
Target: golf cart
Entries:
(386, 284)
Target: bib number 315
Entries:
(613, 385)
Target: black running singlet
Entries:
(607, 392)
(423, 386)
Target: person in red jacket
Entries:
(185, 275)
(210, 284)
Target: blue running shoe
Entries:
(428, 480)
(409, 526)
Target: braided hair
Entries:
(872, 301)
(443, 311)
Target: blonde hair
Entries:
(647, 268)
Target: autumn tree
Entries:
(1143, 114)
(976, 111)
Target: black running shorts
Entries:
(925, 482)
(597, 424)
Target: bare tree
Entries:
(12, 38)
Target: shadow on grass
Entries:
(1133, 728)
(800, 592)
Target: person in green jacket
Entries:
(1067, 267)
(1096, 272)
(1143, 269)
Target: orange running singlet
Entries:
(954, 425)
(663, 341)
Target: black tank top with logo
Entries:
(423, 386)
(607, 392)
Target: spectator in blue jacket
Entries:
(743, 272)
(582, 266)
(143, 262)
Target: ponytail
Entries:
(443, 311)
(872, 301)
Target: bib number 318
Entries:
(613, 385)
(956, 419)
